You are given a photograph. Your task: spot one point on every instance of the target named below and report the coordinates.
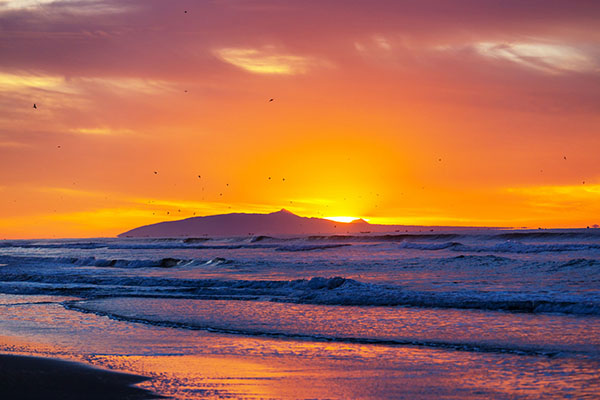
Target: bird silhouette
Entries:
(34, 106)
(155, 172)
(271, 100)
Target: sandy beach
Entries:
(26, 377)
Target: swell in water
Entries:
(317, 290)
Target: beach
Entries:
(380, 317)
(36, 378)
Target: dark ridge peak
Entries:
(283, 211)
(359, 221)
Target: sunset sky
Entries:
(465, 112)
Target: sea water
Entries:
(414, 315)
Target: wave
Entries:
(431, 246)
(67, 245)
(218, 261)
(317, 290)
(507, 242)
(578, 263)
(583, 234)
(504, 247)
(355, 293)
(438, 344)
(167, 262)
(300, 247)
(385, 238)
(161, 244)
(195, 240)
(486, 259)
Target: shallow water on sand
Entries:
(478, 315)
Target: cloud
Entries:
(101, 131)
(71, 6)
(18, 81)
(265, 61)
(550, 58)
(22, 4)
(573, 191)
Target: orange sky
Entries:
(406, 112)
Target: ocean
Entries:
(464, 314)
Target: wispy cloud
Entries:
(579, 191)
(550, 58)
(101, 131)
(266, 61)
(73, 6)
(16, 82)
(20, 81)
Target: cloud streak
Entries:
(265, 61)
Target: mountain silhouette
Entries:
(282, 222)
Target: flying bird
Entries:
(271, 100)
(155, 172)
(34, 106)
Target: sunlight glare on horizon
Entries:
(345, 219)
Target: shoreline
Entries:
(28, 377)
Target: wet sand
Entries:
(26, 377)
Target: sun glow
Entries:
(343, 219)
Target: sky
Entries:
(462, 113)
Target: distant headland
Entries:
(282, 222)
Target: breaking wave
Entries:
(504, 247)
(167, 262)
(300, 247)
(318, 290)
(583, 234)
